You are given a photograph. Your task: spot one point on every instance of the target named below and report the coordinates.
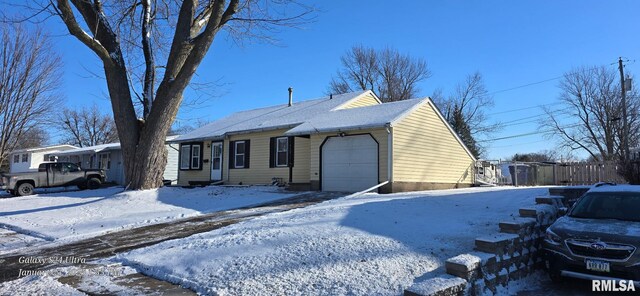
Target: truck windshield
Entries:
(608, 205)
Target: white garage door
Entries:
(349, 163)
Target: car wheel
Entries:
(94, 183)
(25, 189)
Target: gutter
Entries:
(343, 129)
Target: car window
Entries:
(70, 167)
(56, 167)
(608, 205)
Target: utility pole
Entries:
(625, 128)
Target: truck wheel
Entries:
(25, 189)
(94, 183)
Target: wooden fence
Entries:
(586, 173)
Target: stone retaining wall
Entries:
(513, 253)
(570, 194)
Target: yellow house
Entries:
(347, 142)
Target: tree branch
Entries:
(74, 29)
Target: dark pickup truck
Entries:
(52, 174)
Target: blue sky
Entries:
(512, 43)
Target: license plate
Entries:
(596, 265)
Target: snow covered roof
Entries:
(54, 147)
(96, 148)
(90, 149)
(356, 118)
(279, 116)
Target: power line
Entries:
(538, 115)
(518, 121)
(521, 109)
(526, 134)
(518, 144)
(525, 85)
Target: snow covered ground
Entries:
(368, 245)
(37, 285)
(65, 216)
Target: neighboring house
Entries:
(347, 142)
(28, 160)
(109, 158)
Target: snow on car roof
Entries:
(279, 116)
(615, 188)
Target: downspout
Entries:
(390, 156)
(225, 164)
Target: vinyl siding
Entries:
(424, 150)
(171, 170)
(365, 100)
(380, 135)
(301, 160)
(259, 171)
(198, 175)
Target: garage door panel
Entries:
(349, 163)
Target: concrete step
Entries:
(517, 226)
(498, 244)
(554, 200)
(442, 285)
(468, 266)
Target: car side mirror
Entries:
(562, 211)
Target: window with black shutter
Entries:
(281, 152)
(239, 154)
(191, 156)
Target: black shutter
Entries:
(247, 149)
(291, 150)
(232, 156)
(272, 152)
(201, 154)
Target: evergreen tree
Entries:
(461, 127)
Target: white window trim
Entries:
(236, 154)
(189, 151)
(23, 156)
(194, 157)
(286, 160)
(188, 147)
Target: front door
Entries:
(216, 161)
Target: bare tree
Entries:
(469, 100)
(179, 129)
(392, 75)
(87, 127)
(35, 136)
(166, 41)
(29, 75)
(542, 156)
(591, 118)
